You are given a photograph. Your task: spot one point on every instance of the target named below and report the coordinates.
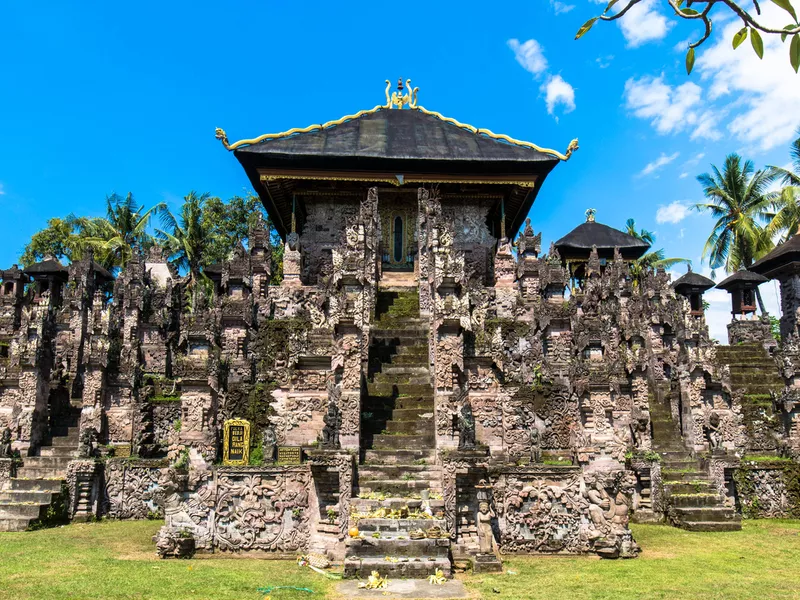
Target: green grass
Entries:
(116, 560)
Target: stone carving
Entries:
(466, 427)
(330, 433)
(5, 444)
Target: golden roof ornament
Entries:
(590, 213)
(398, 99)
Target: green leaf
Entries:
(688, 12)
(758, 44)
(679, 3)
(740, 36)
(586, 27)
(689, 61)
(787, 6)
(610, 5)
(794, 52)
(788, 28)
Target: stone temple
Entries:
(424, 386)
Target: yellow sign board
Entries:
(236, 442)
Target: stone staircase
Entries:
(38, 483)
(399, 449)
(693, 502)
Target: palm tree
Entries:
(786, 218)
(654, 258)
(186, 238)
(739, 200)
(114, 236)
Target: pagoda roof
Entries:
(742, 278)
(591, 234)
(784, 257)
(394, 146)
(47, 266)
(692, 280)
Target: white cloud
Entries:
(2, 190)
(561, 8)
(671, 109)
(643, 23)
(695, 159)
(661, 161)
(529, 55)
(674, 212)
(604, 61)
(764, 93)
(684, 175)
(557, 91)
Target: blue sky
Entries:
(102, 97)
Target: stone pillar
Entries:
(83, 481)
(790, 305)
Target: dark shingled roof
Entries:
(692, 280)
(213, 269)
(591, 233)
(47, 266)
(742, 277)
(398, 135)
(103, 272)
(786, 255)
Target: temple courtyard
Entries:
(758, 561)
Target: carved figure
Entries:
(486, 541)
(536, 444)
(86, 448)
(639, 430)
(333, 423)
(466, 428)
(713, 431)
(269, 443)
(5, 444)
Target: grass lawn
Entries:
(116, 560)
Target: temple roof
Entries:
(692, 281)
(403, 135)
(394, 146)
(592, 234)
(742, 279)
(784, 257)
(46, 267)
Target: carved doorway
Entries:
(398, 244)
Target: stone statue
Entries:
(269, 443)
(466, 428)
(86, 442)
(639, 430)
(712, 431)
(536, 444)
(330, 433)
(483, 520)
(5, 444)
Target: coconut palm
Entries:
(786, 218)
(739, 199)
(654, 258)
(114, 236)
(186, 239)
(790, 176)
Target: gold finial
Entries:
(223, 137)
(590, 213)
(573, 145)
(398, 99)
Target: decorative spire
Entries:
(590, 213)
(398, 99)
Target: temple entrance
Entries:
(398, 243)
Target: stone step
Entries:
(402, 441)
(399, 487)
(30, 485)
(8, 524)
(398, 456)
(413, 350)
(366, 472)
(63, 442)
(328, 528)
(369, 547)
(409, 414)
(366, 506)
(65, 431)
(685, 487)
(61, 451)
(409, 360)
(20, 510)
(27, 496)
(710, 525)
(389, 403)
(46, 462)
(705, 513)
(412, 568)
(408, 370)
(401, 389)
(671, 475)
(419, 426)
(41, 473)
(400, 336)
(391, 528)
(403, 378)
(693, 500)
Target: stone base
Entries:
(406, 568)
(409, 588)
(486, 563)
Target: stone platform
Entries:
(418, 589)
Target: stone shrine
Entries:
(424, 384)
